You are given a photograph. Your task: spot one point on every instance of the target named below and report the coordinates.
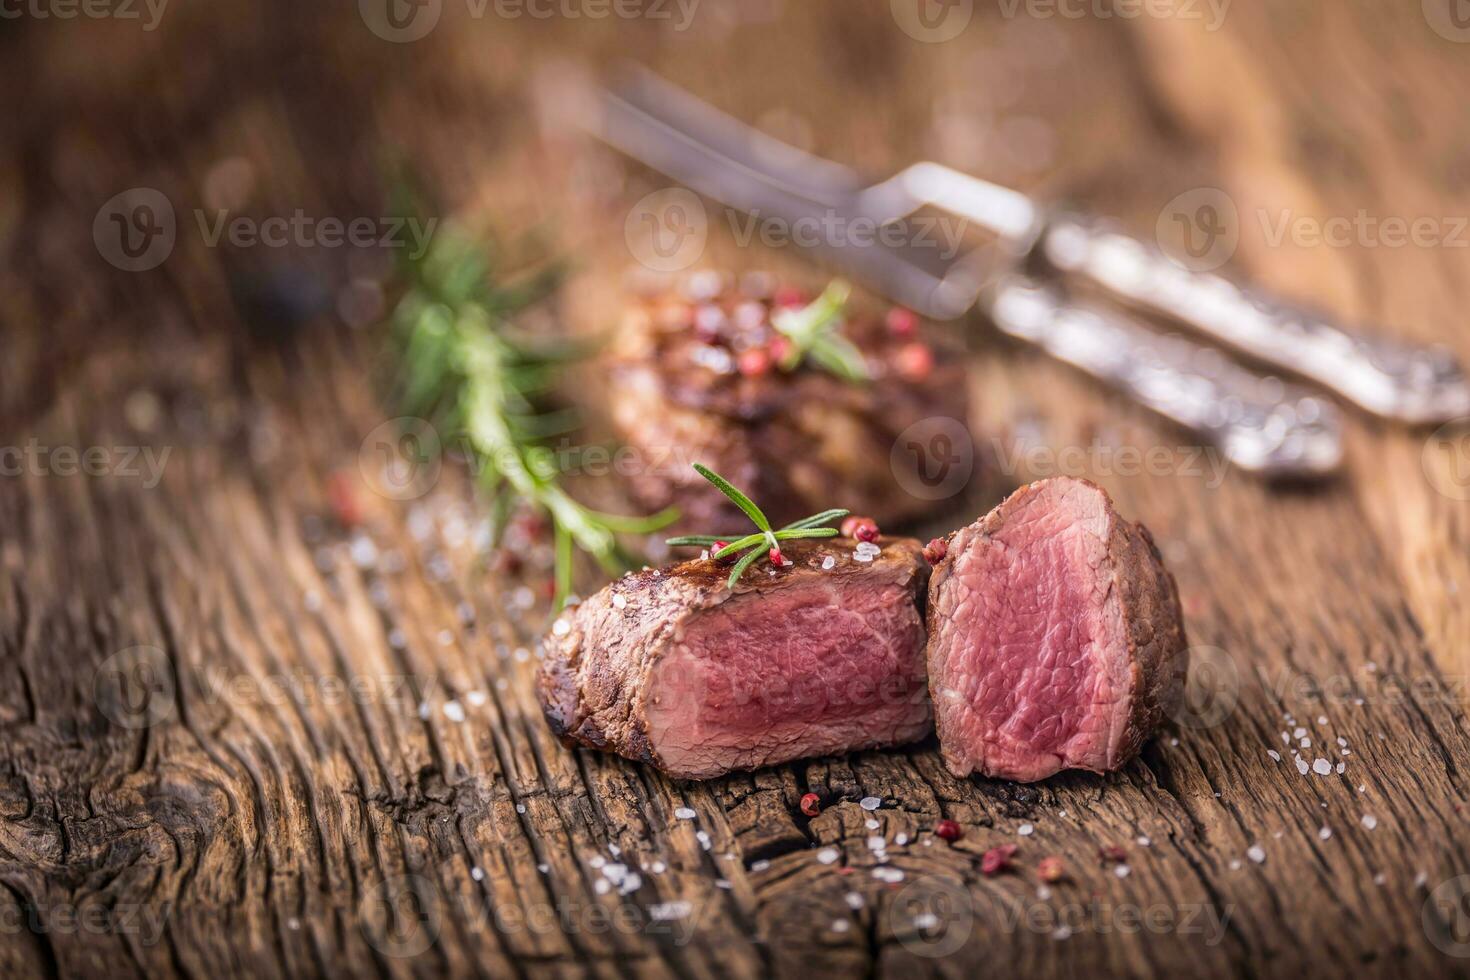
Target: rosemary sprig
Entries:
(765, 536)
(466, 369)
(815, 331)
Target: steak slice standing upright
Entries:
(1056, 639)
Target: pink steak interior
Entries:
(1028, 669)
(762, 679)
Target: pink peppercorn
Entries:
(948, 830)
(997, 859)
(753, 362)
(811, 804)
(902, 322)
(914, 361)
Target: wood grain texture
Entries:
(297, 795)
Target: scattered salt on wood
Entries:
(684, 813)
(454, 711)
(1369, 821)
(827, 855)
(1025, 830)
(1256, 853)
(1122, 870)
(1325, 833)
(1321, 767)
(870, 803)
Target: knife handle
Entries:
(1388, 378)
(1261, 424)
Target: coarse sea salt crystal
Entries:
(827, 855)
(1143, 841)
(684, 813)
(561, 628)
(1122, 870)
(926, 920)
(1301, 765)
(454, 711)
(841, 925)
(871, 824)
(1325, 832)
(703, 839)
(1275, 756)
(477, 873)
(476, 698)
(829, 563)
(854, 901)
(876, 843)
(870, 803)
(620, 601)
(1369, 821)
(1256, 853)
(1025, 830)
(759, 866)
(1321, 767)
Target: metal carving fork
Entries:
(1260, 423)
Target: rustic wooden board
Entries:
(341, 767)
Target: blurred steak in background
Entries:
(694, 377)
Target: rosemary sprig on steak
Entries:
(765, 536)
(465, 368)
(815, 332)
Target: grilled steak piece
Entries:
(672, 668)
(692, 379)
(1055, 636)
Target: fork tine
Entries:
(916, 277)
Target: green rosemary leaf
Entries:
(807, 532)
(755, 543)
(817, 519)
(839, 356)
(563, 566)
(740, 499)
(625, 524)
(741, 566)
(692, 541)
(814, 332)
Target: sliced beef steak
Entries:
(672, 668)
(1055, 636)
(692, 379)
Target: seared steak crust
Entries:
(680, 391)
(600, 683)
(1133, 640)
